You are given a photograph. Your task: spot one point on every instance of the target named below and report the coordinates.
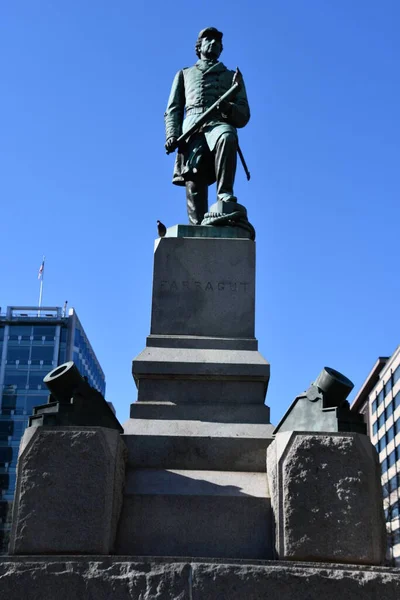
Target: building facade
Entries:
(379, 400)
(33, 341)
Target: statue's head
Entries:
(209, 43)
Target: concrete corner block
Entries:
(69, 491)
(326, 498)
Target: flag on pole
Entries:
(41, 270)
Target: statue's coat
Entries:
(193, 91)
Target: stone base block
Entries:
(201, 390)
(128, 578)
(195, 513)
(226, 413)
(203, 287)
(69, 491)
(196, 452)
(326, 497)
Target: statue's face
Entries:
(210, 48)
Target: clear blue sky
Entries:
(84, 176)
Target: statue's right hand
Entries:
(170, 144)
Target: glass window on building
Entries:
(392, 458)
(374, 406)
(387, 386)
(396, 375)
(17, 354)
(44, 333)
(6, 429)
(389, 410)
(36, 380)
(23, 332)
(15, 378)
(396, 400)
(394, 510)
(18, 428)
(381, 420)
(13, 402)
(42, 355)
(33, 401)
(380, 397)
(390, 434)
(375, 428)
(6, 455)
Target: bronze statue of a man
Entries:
(210, 154)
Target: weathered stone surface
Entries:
(204, 287)
(99, 578)
(300, 582)
(326, 497)
(69, 490)
(195, 513)
(96, 579)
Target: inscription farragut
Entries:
(204, 286)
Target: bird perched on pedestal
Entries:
(162, 230)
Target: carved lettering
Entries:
(203, 286)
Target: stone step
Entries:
(202, 412)
(167, 447)
(200, 390)
(200, 341)
(195, 513)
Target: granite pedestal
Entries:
(68, 495)
(198, 434)
(326, 497)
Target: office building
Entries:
(379, 400)
(33, 341)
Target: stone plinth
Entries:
(202, 346)
(326, 498)
(198, 434)
(69, 491)
(124, 578)
(203, 287)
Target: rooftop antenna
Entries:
(40, 277)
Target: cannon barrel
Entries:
(63, 381)
(335, 386)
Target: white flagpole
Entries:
(40, 276)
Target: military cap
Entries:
(211, 31)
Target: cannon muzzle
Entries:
(63, 381)
(334, 385)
